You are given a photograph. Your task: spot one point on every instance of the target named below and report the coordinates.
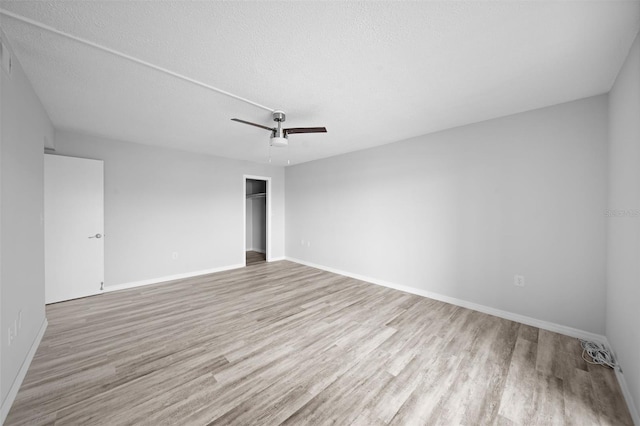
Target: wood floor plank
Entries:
(612, 409)
(556, 355)
(388, 401)
(580, 406)
(521, 383)
(282, 343)
(424, 404)
(254, 257)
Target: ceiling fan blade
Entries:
(253, 124)
(305, 130)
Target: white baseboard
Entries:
(276, 259)
(159, 280)
(257, 250)
(15, 387)
(569, 331)
(546, 325)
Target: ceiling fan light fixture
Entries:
(279, 141)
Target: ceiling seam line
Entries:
(130, 58)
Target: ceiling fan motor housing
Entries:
(279, 137)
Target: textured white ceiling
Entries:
(371, 72)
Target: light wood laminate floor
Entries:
(282, 343)
(253, 257)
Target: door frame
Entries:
(267, 214)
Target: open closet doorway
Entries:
(257, 224)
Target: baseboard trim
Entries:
(546, 325)
(276, 259)
(15, 387)
(631, 404)
(134, 284)
(257, 250)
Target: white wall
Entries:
(249, 225)
(249, 216)
(159, 201)
(24, 126)
(258, 227)
(623, 260)
(461, 211)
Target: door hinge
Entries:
(101, 285)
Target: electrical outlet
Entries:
(10, 336)
(301, 242)
(174, 255)
(518, 280)
(308, 243)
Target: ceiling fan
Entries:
(280, 136)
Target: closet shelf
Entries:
(258, 195)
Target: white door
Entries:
(73, 227)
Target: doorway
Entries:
(257, 207)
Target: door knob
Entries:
(96, 236)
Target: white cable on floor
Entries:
(598, 352)
(129, 57)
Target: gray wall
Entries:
(24, 125)
(248, 225)
(159, 201)
(623, 267)
(258, 227)
(461, 211)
